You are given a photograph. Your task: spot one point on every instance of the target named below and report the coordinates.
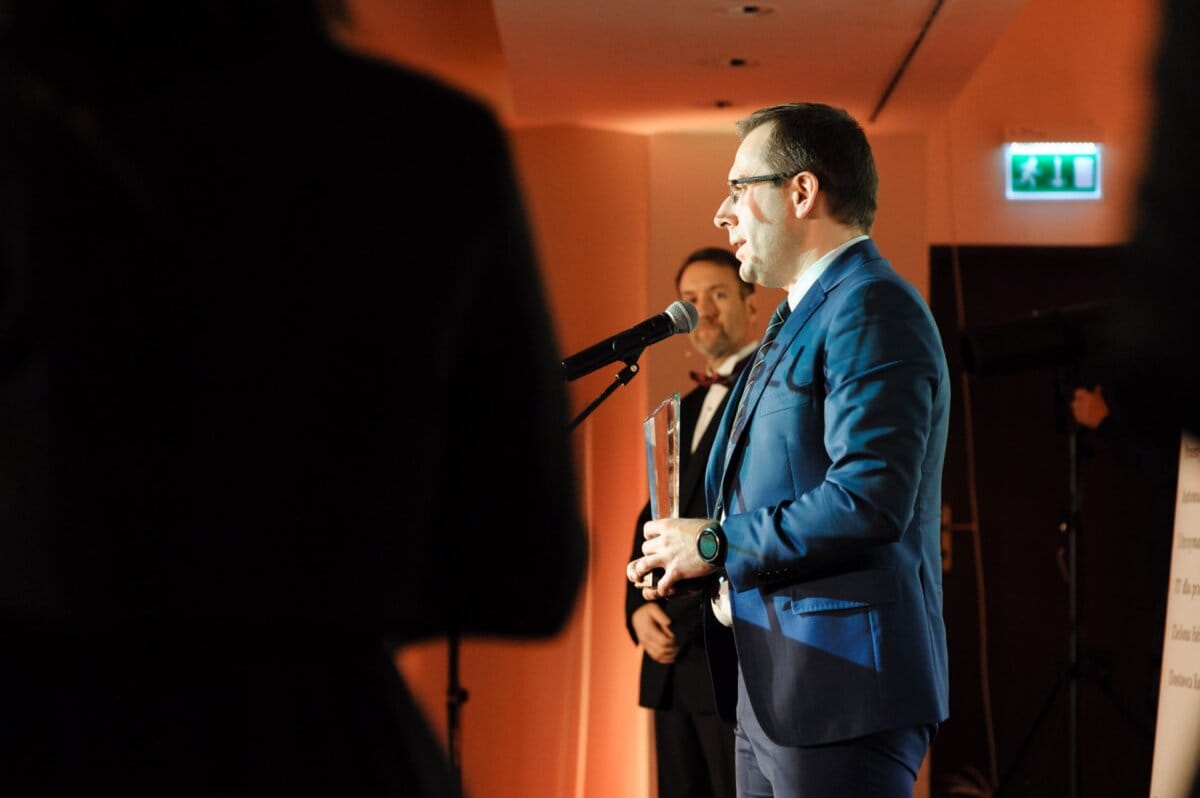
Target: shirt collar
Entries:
(810, 275)
(726, 367)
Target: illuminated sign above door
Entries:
(1052, 171)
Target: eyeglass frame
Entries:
(742, 181)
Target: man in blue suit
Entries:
(824, 483)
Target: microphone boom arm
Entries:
(622, 378)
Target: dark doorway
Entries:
(1007, 578)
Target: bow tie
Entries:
(706, 380)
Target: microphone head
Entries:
(683, 316)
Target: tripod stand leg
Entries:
(1047, 705)
(455, 696)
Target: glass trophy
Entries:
(662, 457)
(661, 430)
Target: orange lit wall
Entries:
(558, 718)
(1078, 66)
(614, 214)
(592, 186)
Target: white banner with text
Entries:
(1177, 732)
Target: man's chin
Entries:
(715, 352)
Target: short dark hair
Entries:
(722, 257)
(827, 141)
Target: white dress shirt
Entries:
(717, 392)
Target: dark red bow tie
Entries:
(705, 380)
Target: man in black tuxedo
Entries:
(694, 746)
(249, 292)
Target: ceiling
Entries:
(653, 66)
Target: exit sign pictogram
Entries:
(1052, 171)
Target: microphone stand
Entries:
(1083, 661)
(455, 694)
(622, 378)
(455, 697)
(1069, 676)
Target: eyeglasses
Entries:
(735, 186)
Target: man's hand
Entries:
(670, 545)
(653, 628)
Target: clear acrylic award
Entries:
(661, 429)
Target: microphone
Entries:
(679, 317)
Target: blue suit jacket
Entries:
(833, 494)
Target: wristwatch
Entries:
(710, 544)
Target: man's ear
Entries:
(806, 189)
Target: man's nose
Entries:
(724, 217)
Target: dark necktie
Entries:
(773, 327)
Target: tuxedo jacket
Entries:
(685, 684)
(833, 499)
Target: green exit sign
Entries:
(1052, 171)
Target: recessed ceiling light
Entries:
(746, 10)
(730, 62)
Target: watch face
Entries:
(708, 544)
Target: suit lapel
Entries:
(837, 271)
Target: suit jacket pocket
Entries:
(842, 592)
(838, 615)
